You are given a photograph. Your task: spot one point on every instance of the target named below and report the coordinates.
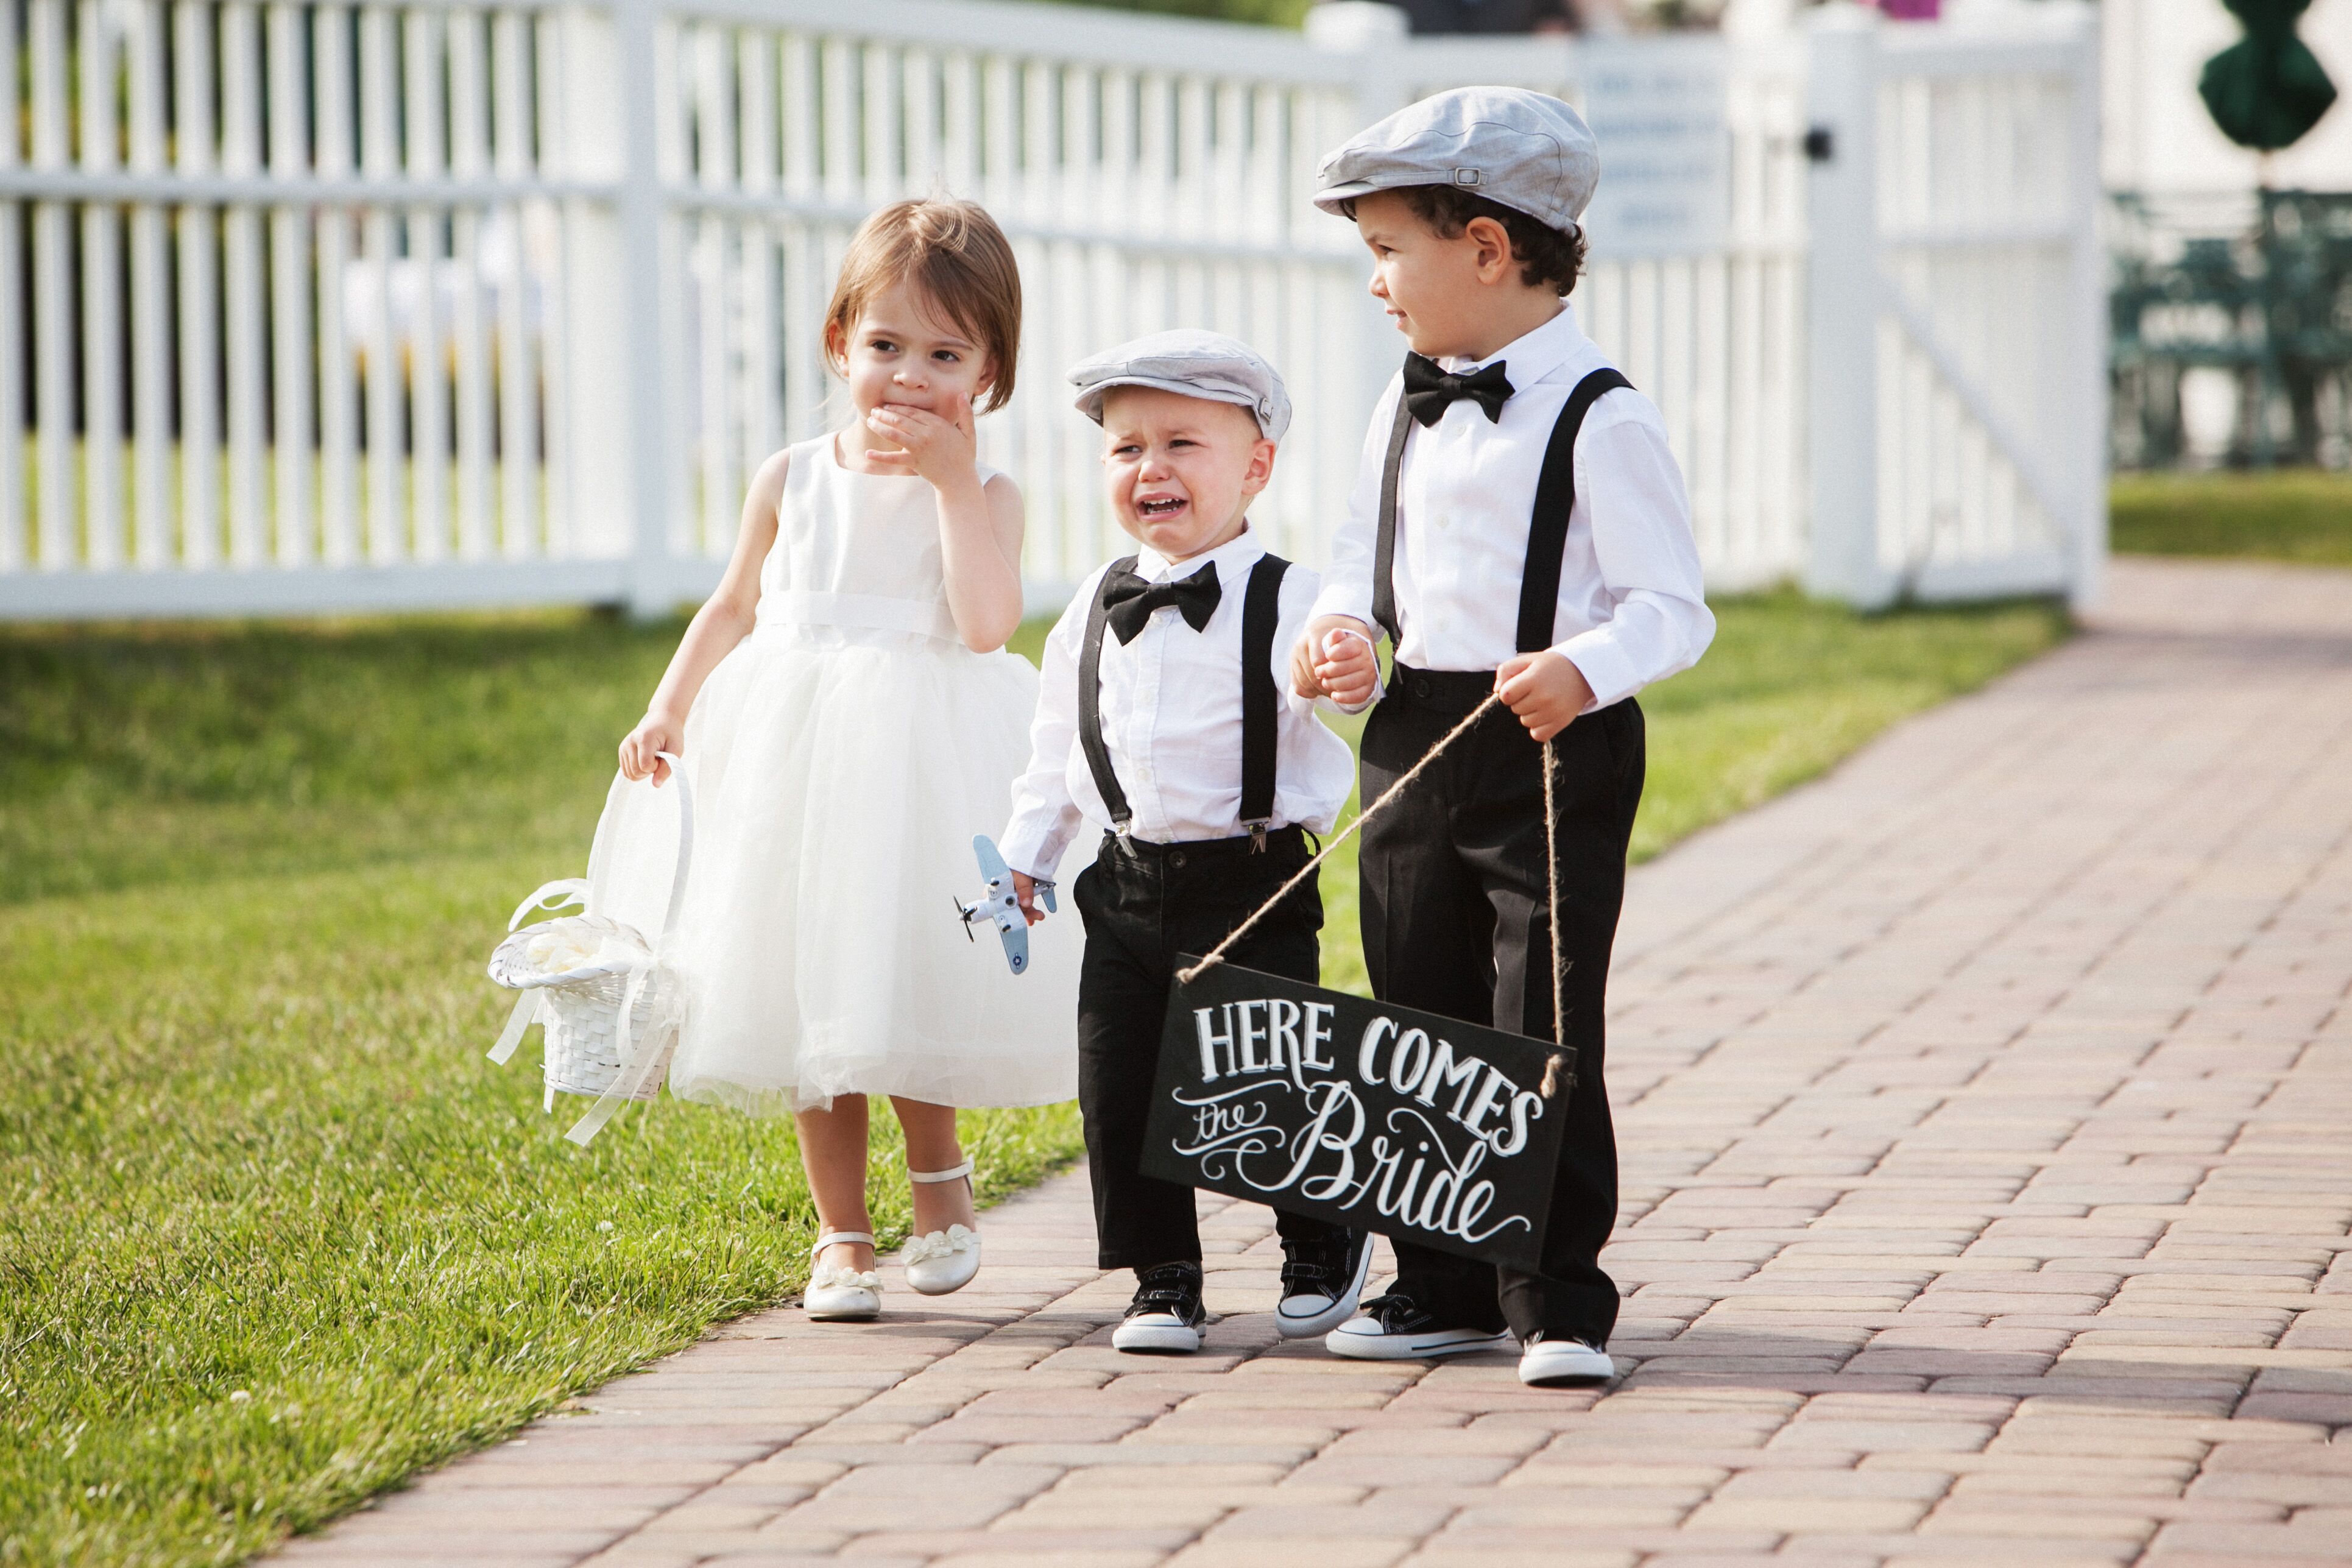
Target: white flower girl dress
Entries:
(843, 757)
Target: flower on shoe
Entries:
(833, 1276)
(941, 1244)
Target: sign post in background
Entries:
(1369, 1115)
(1665, 151)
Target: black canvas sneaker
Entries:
(1166, 1316)
(1321, 1283)
(1394, 1328)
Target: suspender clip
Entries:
(1257, 835)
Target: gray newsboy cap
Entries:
(1196, 363)
(1527, 150)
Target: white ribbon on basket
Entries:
(551, 896)
(638, 1058)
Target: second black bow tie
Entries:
(1130, 600)
(1429, 390)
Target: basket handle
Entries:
(685, 843)
(551, 896)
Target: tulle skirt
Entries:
(839, 779)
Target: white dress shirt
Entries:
(1631, 608)
(1171, 720)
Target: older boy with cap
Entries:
(1519, 528)
(1164, 720)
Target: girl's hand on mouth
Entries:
(940, 447)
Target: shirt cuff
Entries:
(1344, 599)
(1033, 845)
(1604, 665)
(1304, 705)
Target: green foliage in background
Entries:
(2278, 514)
(1266, 13)
(272, 1233)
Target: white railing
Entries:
(445, 302)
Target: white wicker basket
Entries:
(581, 973)
(579, 1007)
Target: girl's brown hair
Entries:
(955, 253)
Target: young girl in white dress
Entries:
(850, 721)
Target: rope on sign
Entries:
(1551, 878)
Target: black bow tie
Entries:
(1130, 600)
(1428, 391)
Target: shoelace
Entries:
(1394, 1311)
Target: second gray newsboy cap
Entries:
(1527, 150)
(1194, 362)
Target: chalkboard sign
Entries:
(1421, 1128)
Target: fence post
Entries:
(1841, 305)
(1373, 35)
(593, 435)
(2087, 286)
(653, 583)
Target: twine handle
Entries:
(1217, 954)
(1552, 926)
(1551, 882)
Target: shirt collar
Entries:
(1532, 356)
(1235, 554)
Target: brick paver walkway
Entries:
(1984, 1117)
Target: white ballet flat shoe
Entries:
(944, 1260)
(838, 1295)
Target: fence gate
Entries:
(312, 306)
(1959, 352)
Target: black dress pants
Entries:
(1456, 914)
(1144, 904)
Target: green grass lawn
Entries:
(275, 1234)
(2296, 515)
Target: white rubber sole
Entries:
(1155, 1339)
(1310, 1320)
(1371, 1345)
(1566, 1364)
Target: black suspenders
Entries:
(1090, 735)
(1547, 526)
(1261, 702)
(1555, 499)
(1384, 553)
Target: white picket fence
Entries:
(468, 301)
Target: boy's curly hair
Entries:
(1545, 255)
(953, 251)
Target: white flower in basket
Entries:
(609, 1003)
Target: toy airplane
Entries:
(999, 906)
